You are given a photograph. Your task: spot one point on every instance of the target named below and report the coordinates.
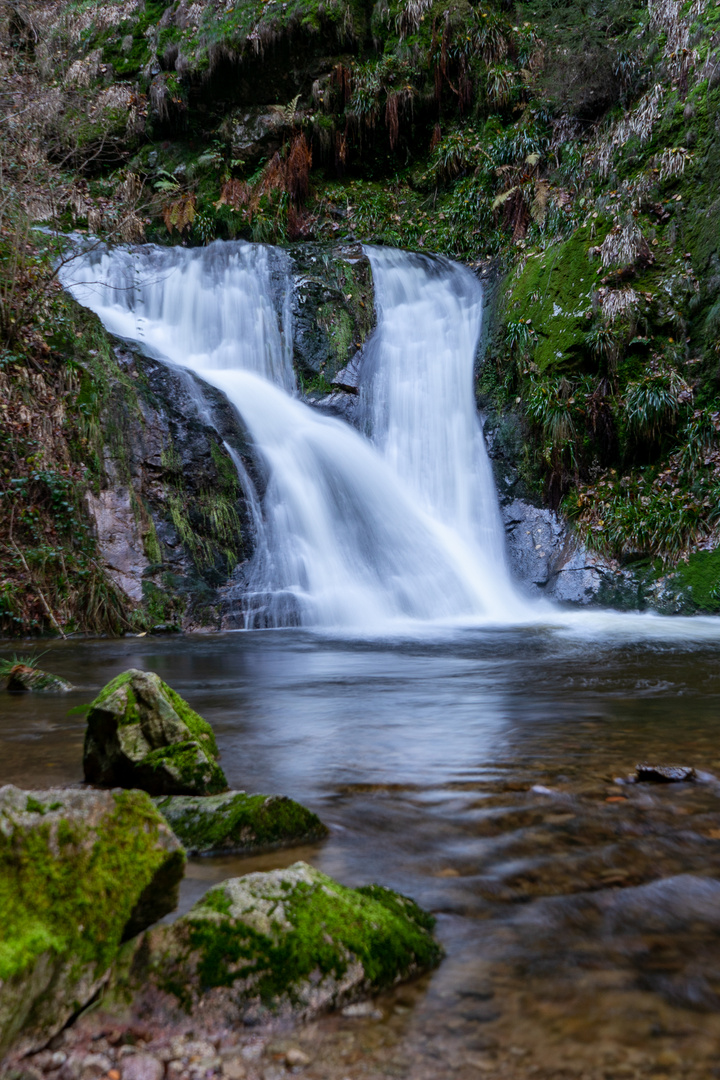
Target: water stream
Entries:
(357, 532)
(581, 918)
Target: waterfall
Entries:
(355, 532)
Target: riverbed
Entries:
(477, 771)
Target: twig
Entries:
(47, 607)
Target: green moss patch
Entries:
(187, 765)
(554, 290)
(700, 576)
(76, 866)
(141, 733)
(290, 939)
(237, 821)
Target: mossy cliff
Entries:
(286, 942)
(122, 509)
(140, 733)
(80, 872)
(572, 145)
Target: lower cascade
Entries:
(354, 531)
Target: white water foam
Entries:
(372, 535)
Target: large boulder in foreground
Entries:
(81, 871)
(141, 734)
(238, 822)
(291, 942)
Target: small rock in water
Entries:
(95, 1065)
(141, 734)
(664, 774)
(21, 678)
(236, 821)
(234, 1069)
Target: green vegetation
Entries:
(77, 905)
(7, 664)
(267, 935)
(239, 822)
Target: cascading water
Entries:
(356, 533)
(417, 391)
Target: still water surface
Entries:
(476, 773)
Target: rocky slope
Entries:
(569, 148)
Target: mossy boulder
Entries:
(20, 678)
(142, 734)
(81, 871)
(236, 821)
(289, 942)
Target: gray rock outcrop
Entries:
(547, 560)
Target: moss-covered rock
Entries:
(20, 678)
(237, 821)
(290, 942)
(142, 734)
(333, 309)
(80, 872)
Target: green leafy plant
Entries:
(30, 661)
(653, 403)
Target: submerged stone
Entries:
(664, 774)
(80, 872)
(142, 734)
(290, 942)
(21, 678)
(236, 821)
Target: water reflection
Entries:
(476, 773)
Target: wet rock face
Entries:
(333, 307)
(119, 539)
(142, 734)
(168, 481)
(254, 133)
(548, 561)
(238, 822)
(288, 942)
(80, 871)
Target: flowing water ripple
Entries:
(579, 914)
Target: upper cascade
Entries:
(365, 533)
